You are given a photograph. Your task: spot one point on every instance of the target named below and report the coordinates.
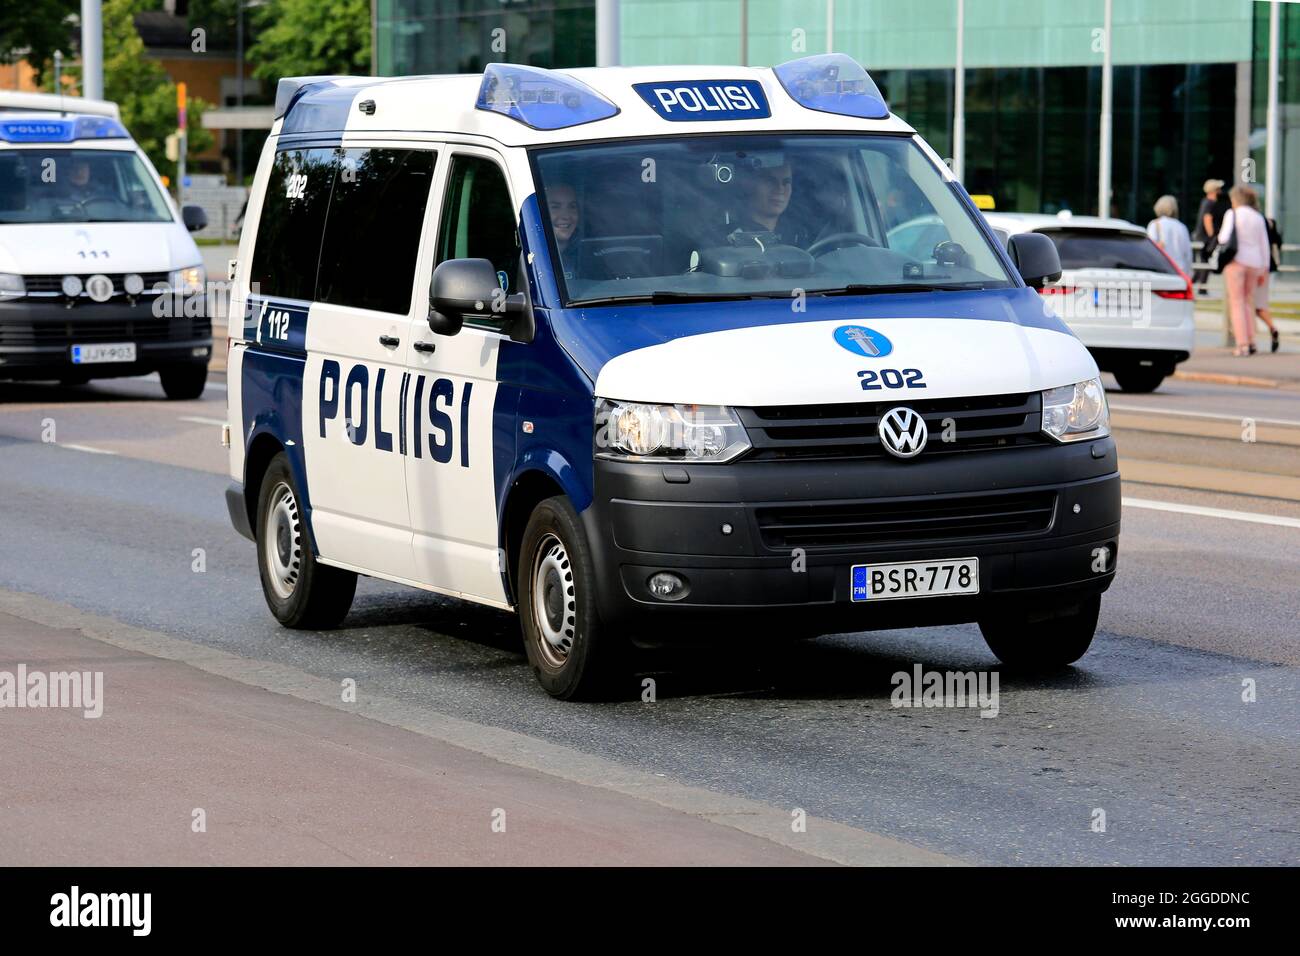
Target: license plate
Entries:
(915, 579)
(107, 352)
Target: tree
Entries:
(142, 90)
(308, 37)
(34, 29)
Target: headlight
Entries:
(187, 281)
(12, 286)
(643, 432)
(1076, 412)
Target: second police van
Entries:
(630, 352)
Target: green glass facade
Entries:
(1189, 77)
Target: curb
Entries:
(1222, 378)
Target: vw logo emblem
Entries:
(99, 288)
(902, 432)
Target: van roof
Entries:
(508, 102)
(12, 101)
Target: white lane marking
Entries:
(1249, 516)
(198, 420)
(1218, 415)
(93, 451)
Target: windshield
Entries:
(1100, 249)
(740, 216)
(77, 185)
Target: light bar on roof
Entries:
(61, 130)
(541, 99)
(832, 83)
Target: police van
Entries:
(99, 277)
(630, 352)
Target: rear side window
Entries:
(372, 234)
(1103, 249)
(293, 219)
(479, 222)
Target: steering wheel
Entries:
(840, 240)
(85, 204)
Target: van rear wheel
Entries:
(1138, 379)
(300, 591)
(573, 655)
(184, 382)
(1039, 638)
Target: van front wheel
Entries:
(300, 591)
(1039, 638)
(573, 655)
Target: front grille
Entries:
(53, 285)
(82, 332)
(861, 524)
(802, 432)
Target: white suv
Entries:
(1120, 294)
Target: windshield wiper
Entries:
(662, 298)
(891, 287)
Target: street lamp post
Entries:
(92, 49)
(1270, 144)
(1103, 170)
(959, 98)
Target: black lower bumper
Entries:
(1034, 517)
(37, 336)
(1160, 360)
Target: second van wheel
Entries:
(573, 655)
(1038, 639)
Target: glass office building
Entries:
(1189, 92)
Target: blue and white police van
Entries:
(630, 352)
(99, 276)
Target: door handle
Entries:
(389, 341)
(424, 347)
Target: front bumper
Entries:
(648, 518)
(36, 337)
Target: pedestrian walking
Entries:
(1169, 233)
(1209, 219)
(1243, 259)
(1262, 290)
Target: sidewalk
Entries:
(1212, 361)
(283, 781)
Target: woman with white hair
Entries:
(1167, 232)
(1248, 268)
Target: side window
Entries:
(478, 220)
(372, 234)
(293, 219)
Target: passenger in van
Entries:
(566, 215)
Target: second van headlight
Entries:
(1076, 412)
(188, 281)
(640, 431)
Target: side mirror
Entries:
(1036, 257)
(194, 218)
(462, 287)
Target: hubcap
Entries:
(555, 606)
(282, 541)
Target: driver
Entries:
(765, 196)
(79, 186)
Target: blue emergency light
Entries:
(832, 83)
(60, 130)
(541, 99)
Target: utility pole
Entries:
(830, 26)
(744, 32)
(1270, 145)
(1103, 171)
(607, 27)
(959, 98)
(92, 49)
(239, 92)
(58, 72)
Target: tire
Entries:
(300, 591)
(1139, 379)
(184, 382)
(1042, 638)
(573, 655)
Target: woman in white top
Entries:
(1249, 267)
(1171, 235)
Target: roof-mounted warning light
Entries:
(61, 130)
(541, 99)
(832, 83)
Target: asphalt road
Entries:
(1150, 727)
